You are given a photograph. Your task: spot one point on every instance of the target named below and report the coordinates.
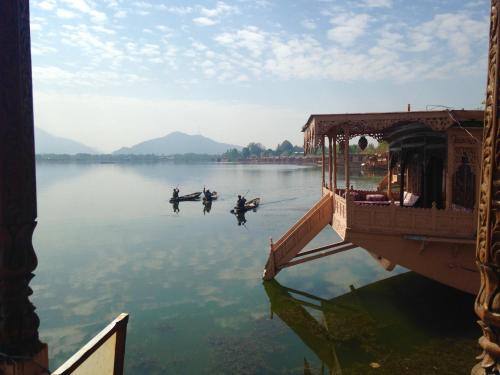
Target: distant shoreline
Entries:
(185, 158)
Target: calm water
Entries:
(108, 241)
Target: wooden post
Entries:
(330, 161)
(389, 176)
(449, 171)
(18, 320)
(487, 305)
(335, 163)
(346, 157)
(402, 179)
(322, 163)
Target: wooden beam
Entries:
(318, 256)
(312, 251)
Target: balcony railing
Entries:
(390, 218)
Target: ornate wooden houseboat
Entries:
(425, 215)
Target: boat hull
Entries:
(452, 264)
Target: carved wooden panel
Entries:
(487, 304)
(18, 321)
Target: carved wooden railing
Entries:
(298, 236)
(393, 219)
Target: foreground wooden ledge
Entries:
(103, 355)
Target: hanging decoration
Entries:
(362, 143)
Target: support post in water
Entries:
(22, 351)
(487, 305)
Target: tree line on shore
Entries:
(286, 149)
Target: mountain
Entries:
(46, 143)
(178, 143)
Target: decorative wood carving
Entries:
(487, 303)
(18, 321)
(374, 124)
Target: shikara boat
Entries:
(249, 205)
(189, 197)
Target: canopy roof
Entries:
(350, 125)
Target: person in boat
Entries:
(241, 202)
(175, 194)
(208, 194)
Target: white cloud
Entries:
(204, 21)
(458, 30)
(83, 7)
(103, 29)
(66, 14)
(378, 3)
(220, 9)
(250, 38)
(46, 4)
(120, 14)
(142, 4)
(308, 24)
(347, 28)
(179, 10)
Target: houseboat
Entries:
(424, 216)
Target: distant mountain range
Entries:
(46, 143)
(178, 143)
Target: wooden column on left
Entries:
(22, 351)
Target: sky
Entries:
(112, 73)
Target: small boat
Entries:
(249, 205)
(189, 197)
(214, 196)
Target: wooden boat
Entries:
(189, 197)
(249, 205)
(214, 197)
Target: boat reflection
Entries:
(207, 206)
(240, 218)
(404, 324)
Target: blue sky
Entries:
(112, 73)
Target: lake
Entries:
(108, 241)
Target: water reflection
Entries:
(175, 207)
(207, 206)
(241, 219)
(404, 324)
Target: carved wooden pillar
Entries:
(18, 320)
(487, 304)
(449, 170)
(346, 157)
(335, 162)
(389, 176)
(330, 162)
(322, 163)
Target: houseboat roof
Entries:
(375, 124)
